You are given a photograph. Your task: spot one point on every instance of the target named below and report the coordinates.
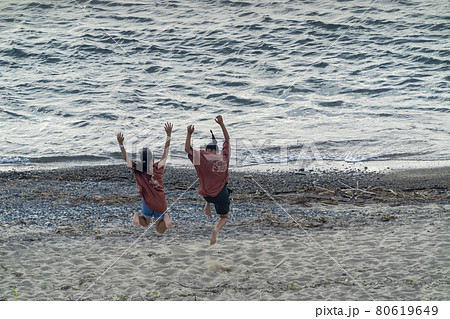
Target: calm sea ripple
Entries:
(337, 80)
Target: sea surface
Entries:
(337, 81)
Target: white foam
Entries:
(13, 160)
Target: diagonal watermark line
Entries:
(132, 244)
(140, 66)
(319, 58)
(320, 246)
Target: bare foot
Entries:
(213, 239)
(208, 209)
(167, 221)
(144, 221)
(136, 219)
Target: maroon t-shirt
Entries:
(212, 170)
(151, 189)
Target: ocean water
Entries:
(350, 81)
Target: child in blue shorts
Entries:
(148, 176)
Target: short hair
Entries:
(212, 147)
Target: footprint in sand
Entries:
(215, 265)
(163, 260)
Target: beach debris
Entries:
(313, 221)
(275, 221)
(184, 188)
(279, 264)
(387, 218)
(349, 195)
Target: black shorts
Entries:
(221, 201)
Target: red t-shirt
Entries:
(151, 189)
(212, 170)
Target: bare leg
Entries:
(136, 219)
(220, 223)
(208, 209)
(167, 221)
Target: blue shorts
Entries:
(148, 213)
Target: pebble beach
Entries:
(66, 234)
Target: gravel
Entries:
(89, 198)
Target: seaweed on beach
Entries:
(349, 195)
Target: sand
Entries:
(393, 260)
(377, 251)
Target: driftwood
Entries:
(349, 195)
(279, 264)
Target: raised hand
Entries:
(168, 128)
(120, 138)
(190, 129)
(219, 119)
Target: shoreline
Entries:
(363, 168)
(379, 166)
(333, 178)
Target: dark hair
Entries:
(145, 158)
(211, 147)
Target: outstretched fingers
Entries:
(168, 128)
(120, 138)
(190, 129)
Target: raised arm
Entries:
(187, 144)
(168, 128)
(125, 156)
(219, 120)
